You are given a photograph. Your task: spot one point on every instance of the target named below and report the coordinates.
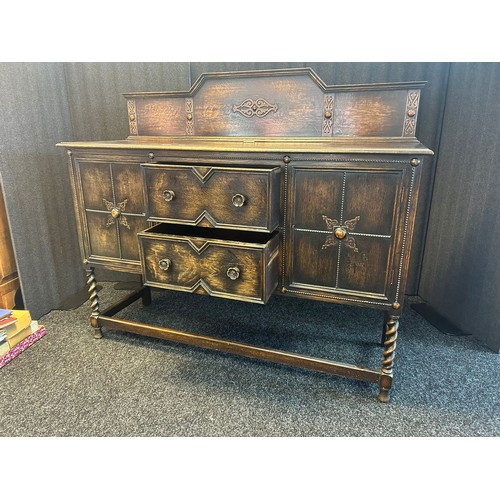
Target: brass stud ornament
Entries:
(189, 116)
(131, 117)
(411, 112)
(414, 162)
(328, 114)
(151, 156)
(340, 233)
(396, 305)
(286, 159)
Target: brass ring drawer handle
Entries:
(165, 264)
(168, 195)
(233, 273)
(238, 200)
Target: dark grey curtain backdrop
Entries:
(461, 268)
(35, 116)
(44, 103)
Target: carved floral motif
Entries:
(115, 213)
(255, 107)
(340, 232)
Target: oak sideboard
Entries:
(253, 183)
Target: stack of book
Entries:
(17, 333)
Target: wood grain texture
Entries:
(197, 187)
(349, 224)
(201, 265)
(298, 101)
(430, 119)
(372, 196)
(283, 103)
(102, 183)
(96, 184)
(317, 192)
(157, 116)
(369, 114)
(128, 185)
(103, 238)
(367, 269)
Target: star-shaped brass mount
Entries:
(115, 213)
(340, 232)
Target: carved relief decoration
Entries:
(328, 116)
(255, 107)
(115, 213)
(132, 116)
(340, 232)
(188, 103)
(410, 124)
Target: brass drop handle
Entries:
(168, 195)
(238, 200)
(233, 273)
(165, 264)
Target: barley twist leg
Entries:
(391, 335)
(94, 302)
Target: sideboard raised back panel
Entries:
(294, 103)
(255, 183)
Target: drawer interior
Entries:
(210, 233)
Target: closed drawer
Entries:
(223, 263)
(213, 196)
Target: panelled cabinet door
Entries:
(112, 211)
(345, 225)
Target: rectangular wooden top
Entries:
(261, 145)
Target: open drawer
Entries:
(220, 262)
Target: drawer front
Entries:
(213, 196)
(187, 260)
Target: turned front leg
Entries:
(94, 302)
(391, 334)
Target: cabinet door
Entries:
(112, 211)
(343, 237)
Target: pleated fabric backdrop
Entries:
(461, 269)
(44, 103)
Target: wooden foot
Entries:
(391, 334)
(94, 302)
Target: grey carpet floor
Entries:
(69, 384)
